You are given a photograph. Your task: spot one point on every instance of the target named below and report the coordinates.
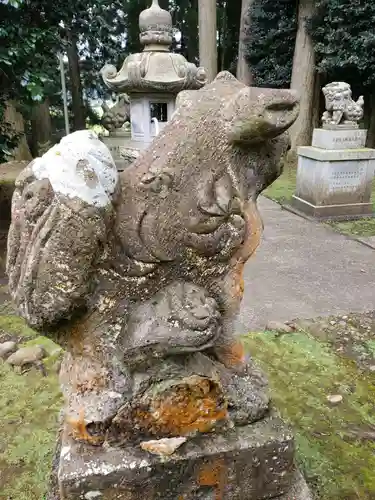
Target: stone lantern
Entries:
(151, 79)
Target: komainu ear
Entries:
(252, 130)
(261, 114)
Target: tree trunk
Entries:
(192, 32)
(370, 143)
(15, 120)
(303, 77)
(317, 112)
(208, 37)
(222, 30)
(243, 68)
(367, 112)
(41, 127)
(79, 110)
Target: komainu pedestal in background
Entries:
(139, 277)
(122, 149)
(334, 177)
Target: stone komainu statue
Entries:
(115, 117)
(139, 276)
(340, 107)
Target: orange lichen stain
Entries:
(83, 340)
(196, 404)
(254, 228)
(254, 231)
(238, 284)
(214, 475)
(233, 355)
(90, 383)
(76, 342)
(78, 430)
(241, 286)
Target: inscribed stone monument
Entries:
(139, 277)
(335, 174)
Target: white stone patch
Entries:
(65, 453)
(93, 494)
(163, 447)
(104, 469)
(114, 395)
(80, 166)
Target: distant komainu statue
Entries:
(139, 277)
(341, 110)
(116, 116)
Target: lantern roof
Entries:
(156, 69)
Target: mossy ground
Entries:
(283, 189)
(336, 444)
(363, 227)
(28, 414)
(29, 409)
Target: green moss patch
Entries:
(54, 352)
(50, 346)
(351, 336)
(284, 187)
(362, 227)
(335, 447)
(16, 325)
(29, 410)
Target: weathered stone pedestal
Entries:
(247, 463)
(123, 149)
(335, 175)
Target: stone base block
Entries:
(332, 212)
(339, 139)
(340, 126)
(123, 150)
(248, 463)
(334, 183)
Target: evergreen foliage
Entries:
(344, 40)
(270, 42)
